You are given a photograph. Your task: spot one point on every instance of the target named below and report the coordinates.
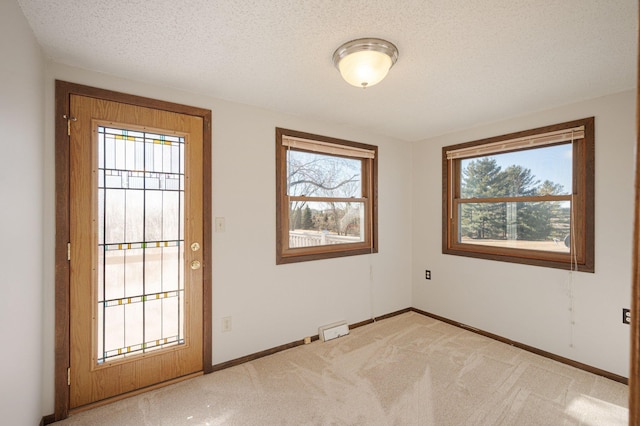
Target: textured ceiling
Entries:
(462, 62)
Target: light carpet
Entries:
(405, 370)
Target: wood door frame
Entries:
(634, 368)
(63, 92)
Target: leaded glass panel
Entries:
(140, 242)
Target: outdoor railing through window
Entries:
(326, 197)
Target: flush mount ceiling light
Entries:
(365, 61)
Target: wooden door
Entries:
(136, 236)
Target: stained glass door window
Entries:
(140, 284)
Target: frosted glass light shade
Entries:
(365, 62)
(365, 68)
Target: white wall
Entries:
(270, 305)
(579, 315)
(21, 117)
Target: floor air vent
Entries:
(333, 331)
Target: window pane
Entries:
(319, 175)
(533, 225)
(540, 171)
(319, 224)
(325, 201)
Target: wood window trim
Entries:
(583, 183)
(63, 92)
(370, 197)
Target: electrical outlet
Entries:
(427, 274)
(626, 316)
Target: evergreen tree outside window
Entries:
(526, 197)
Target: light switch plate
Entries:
(220, 225)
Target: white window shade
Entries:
(526, 142)
(327, 148)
